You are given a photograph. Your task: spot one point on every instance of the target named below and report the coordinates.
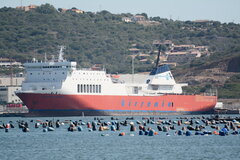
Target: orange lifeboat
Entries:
(115, 76)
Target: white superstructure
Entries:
(62, 77)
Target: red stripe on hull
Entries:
(164, 103)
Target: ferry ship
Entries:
(58, 88)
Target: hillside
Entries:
(212, 75)
(103, 38)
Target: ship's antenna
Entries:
(133, 57)
(61, 53)
(158, 57)
(11, 75)
(53, 58)
(45, 57)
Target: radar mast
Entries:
(61, 53)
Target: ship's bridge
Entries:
(161, 76)
(161, 80)
(50, 65)
(48, 71)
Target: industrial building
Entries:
(9, 101)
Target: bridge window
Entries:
(100, 88)
(81, 88)
(94, 88)
(90, 88)
(155, 87)
(87, 88)
(78, 88)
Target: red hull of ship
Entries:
(72, 105)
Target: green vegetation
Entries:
(231, 88)
(102, 37)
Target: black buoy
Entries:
(226, 126)
(179, 123)
(21, 125)
(148, 121)
(191, 122)
(11, 125)
(191, 128)
(36, 125)
(44, 125)
(75, 123)
(172, 127)
(159, 128)
(26, 124)
(100, 128)
(118, 126)
(197, 128)
(25, 129)
(57, 124)
(94, 127)
(232, 125)
(50, 124)
(184, 128)
(132, 128)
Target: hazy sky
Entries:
(219, 10)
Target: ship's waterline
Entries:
(116, 105)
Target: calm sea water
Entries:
(61, 144)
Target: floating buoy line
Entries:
(148, 126)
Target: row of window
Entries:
(58, 67)
(89, 73)
(46, 73)
(77, 79)
(89, 88)
(39, 67)
(148, 104)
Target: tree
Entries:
(46, 9)
(145, 15)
